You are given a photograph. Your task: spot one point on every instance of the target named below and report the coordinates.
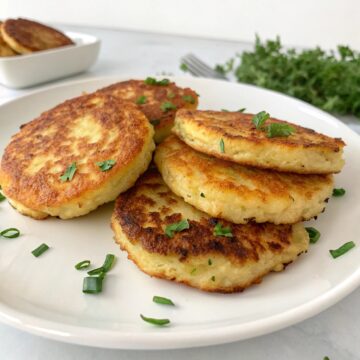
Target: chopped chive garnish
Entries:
(225, 110)
(209, 262)
(40, 250)
(242, 110)
(170, 95)
(82, 265)
(69, 173)
(213, 278)
(153, 81)
(202, 195)
(159, 322)
(108, 263)
(176, 227)
(222, 231)
(314, 234)
(106, 164)
(162, 300)
(193, 271)
(167, 105)
(10, 233)
(141, 100)
(326, 358)
(279, 130)
(92, 285)
(222, 146)
(189, 99)
(184, 67)
(342, 249)
(338, 192)
(2, 197)
(155, 122)
(259, 119)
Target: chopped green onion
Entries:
(162, 300)
(259, 119)
(176, 227)
(279, 130)
(40, 250)
(242, 110)
(141, 100)
(184, 67)
(106, 164)
(159, 322)
(108, 263)
(92, 285)
(153, 81)
(213, 278)
(222, 231)
(314, 234)
(338, 192)
(222, 146)
(155, 122)
(326, 358)
(189, 99)
(209, 262)
(10, 233)
(342, 249)
(167, 105)
(170, 95)
(2, 197)
(225, 110)
(202, 195)
(82, 265)
(69, 173)
(193, 271)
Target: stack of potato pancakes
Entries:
(221, 206)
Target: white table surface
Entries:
(334, 333)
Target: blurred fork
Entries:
(197, 67)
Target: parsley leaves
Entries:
(279, 130)
(328, 80)
(259, 119)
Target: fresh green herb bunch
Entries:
(328, 80)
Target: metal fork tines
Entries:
(197, 67)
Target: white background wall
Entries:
(298, 22)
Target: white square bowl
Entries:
(27, 70)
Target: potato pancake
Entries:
(238, 193)
(159, 101)
(233, 136)
(196, 254)
(26, 36)
(76, 157)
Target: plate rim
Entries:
(160, 339)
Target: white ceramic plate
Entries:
(27, 70)
(44, 295)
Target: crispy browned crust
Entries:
(26, 36)
(122, 131)
(146, 227)
(162, 121)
